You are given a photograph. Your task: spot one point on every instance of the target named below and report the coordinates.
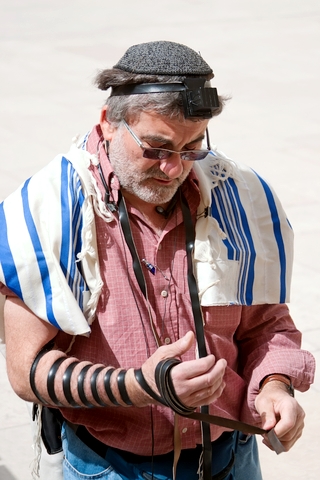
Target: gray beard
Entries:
(141, 184)
(149, 193)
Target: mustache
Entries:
(155, 172)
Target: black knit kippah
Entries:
(163, 58)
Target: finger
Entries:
(268, 419)
(265, 407)
(204, 388)
(208, 396)
(286, 441)
(291, 423)
(176, 349)
(195, 368)
(197, 375)
(211, 378)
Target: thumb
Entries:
(181, 346)
(268, 416)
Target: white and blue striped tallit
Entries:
(47, 226)
(244, 247)
(48, 255)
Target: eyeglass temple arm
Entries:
(138, 141)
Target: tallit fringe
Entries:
(35, 465)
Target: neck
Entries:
(145, 207)
(154, 214)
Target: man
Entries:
(146, 279)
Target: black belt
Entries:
(101, 449)
(91, 442)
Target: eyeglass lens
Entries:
(162, 154)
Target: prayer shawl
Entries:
(48, 255)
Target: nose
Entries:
(172, 166)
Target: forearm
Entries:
(58, 384)
(59, 380)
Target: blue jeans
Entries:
(247, 465)
(81, 462)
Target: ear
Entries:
(107, 128)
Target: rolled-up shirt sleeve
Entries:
(269, 342)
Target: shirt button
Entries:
(184, 430)
(160, 246)
(167, 341)
(164, 293)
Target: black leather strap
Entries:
(133, 89)
(125, 225)
(94, 387)
(33, 369)
(192, 284)
(146, 387)
(166, 389)
(50, 380)
(165, 386)
(198, 322)
(107, 386)
(227, 423)
(81, 379)
(164, 382)
(66, 383)
(122, 387)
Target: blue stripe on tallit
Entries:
(41, 261)
(83, 144)
(278, 237)
(77, 223)
(71, 218)
(247, 272)
(229, 212)
(7, 262)
(65, 219)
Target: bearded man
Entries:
(146, 278)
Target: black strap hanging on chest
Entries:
(198, 322)
(196, 308)
(126, 229)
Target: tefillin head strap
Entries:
(198, 100)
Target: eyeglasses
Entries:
(163, 153)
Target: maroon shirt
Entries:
(255, 340)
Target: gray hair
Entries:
(129, 107)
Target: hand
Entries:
(279, 410)
(196, 382)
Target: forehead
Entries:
(173, 130)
